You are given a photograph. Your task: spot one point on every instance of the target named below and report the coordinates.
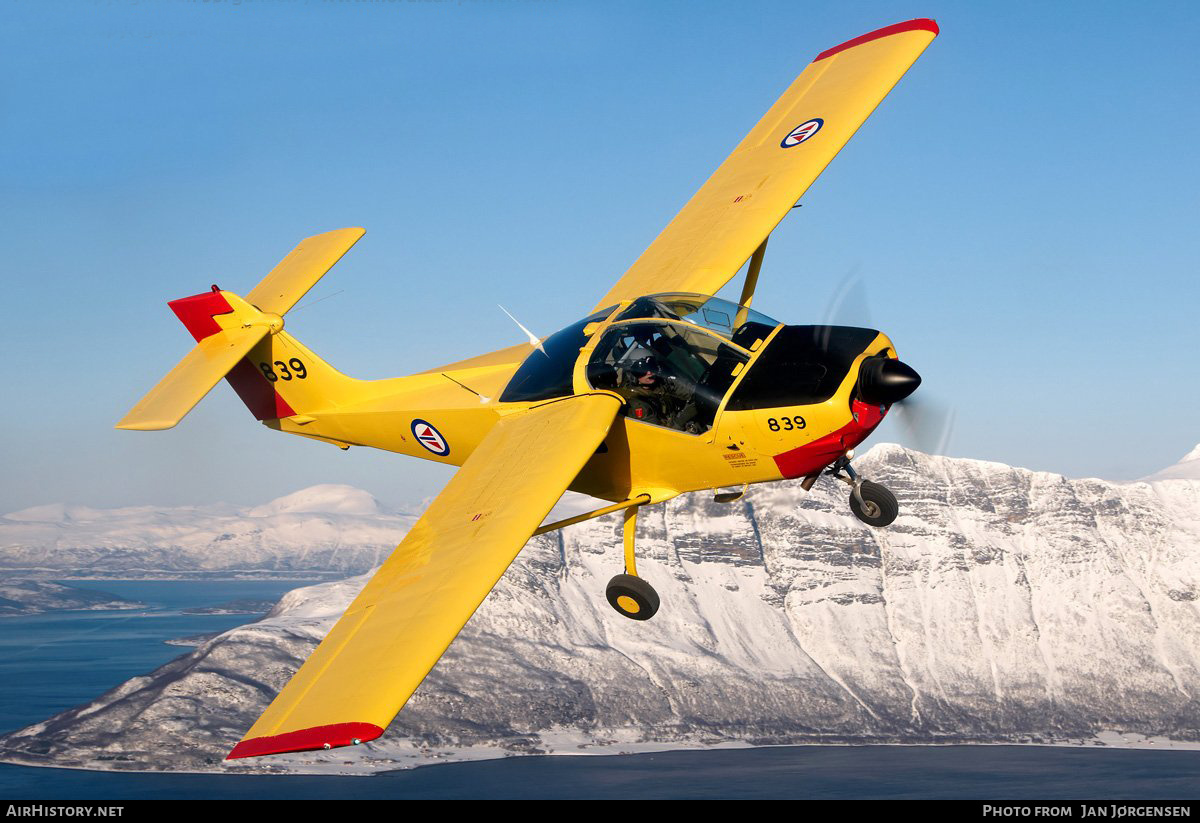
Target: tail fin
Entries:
(243, 340)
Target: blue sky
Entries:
(1021, 209)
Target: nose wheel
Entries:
(629, 594)
(871, 503)
(877, 506)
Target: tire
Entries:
(881, 507)
(632, 597)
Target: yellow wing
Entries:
(730, 216)
(194, 376)
(396, 629)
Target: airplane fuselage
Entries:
(760, 430)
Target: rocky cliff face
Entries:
(1002, 605)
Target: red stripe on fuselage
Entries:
(815, 456)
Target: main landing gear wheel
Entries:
(632, 597)
(878, 507)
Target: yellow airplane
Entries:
(661, 389)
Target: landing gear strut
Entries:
(871, 503)
(627, 593)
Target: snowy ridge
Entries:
(35, 597)
(328, 498)
(1003, 605)
(1186, 469)
(322, 529)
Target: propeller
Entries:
(926, 422)
(848, 306)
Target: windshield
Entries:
(547, 371)
(738, 324)
(670, 374)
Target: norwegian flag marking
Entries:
(802, 132)
(430, 438)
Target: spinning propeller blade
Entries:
(848, 306)
(926, 423)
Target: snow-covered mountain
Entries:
(36, 596)
(1003, 605)
(1186, 469)
(319, 530)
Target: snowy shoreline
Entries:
(336, 763)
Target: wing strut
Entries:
(751, 281)
(634, 502)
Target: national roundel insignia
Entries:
(802, 132)
(430, 438)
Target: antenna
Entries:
(533, 338)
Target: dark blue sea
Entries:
(49, 663)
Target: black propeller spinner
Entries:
(883, 381)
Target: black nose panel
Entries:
(801, 365)
(883, 381)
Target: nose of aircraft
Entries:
(883, 381)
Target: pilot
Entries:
(658, 398)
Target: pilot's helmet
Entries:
(644, 366)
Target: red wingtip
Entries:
(920, 24)
(303, 740)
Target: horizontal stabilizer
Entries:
(301, 269)
(187, 383)
(227, 328)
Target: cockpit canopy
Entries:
(691, 361)
(674, 357)
(741, 325)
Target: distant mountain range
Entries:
(36, 596)
(1003, 605)
(330, 530)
